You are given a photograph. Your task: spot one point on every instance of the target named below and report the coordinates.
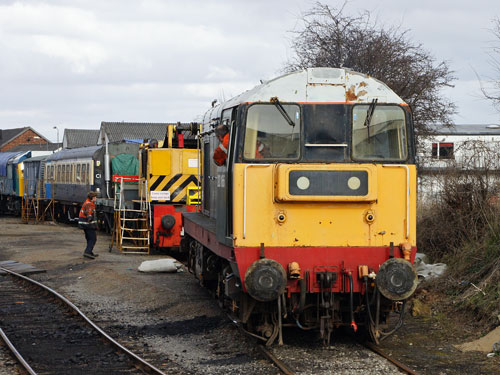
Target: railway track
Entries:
(286, 369)
(50, 335)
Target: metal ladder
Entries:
(132, 225)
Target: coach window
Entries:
(381, 138)
(272, 132)
(78, 177)
(90, 174)
(84, 172)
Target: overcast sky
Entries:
(75, 63)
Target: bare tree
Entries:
(328, 37)
(494, 93)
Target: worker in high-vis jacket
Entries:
(220, 153)
(87, 220)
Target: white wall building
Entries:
(463, 148)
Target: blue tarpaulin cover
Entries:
(4, 158)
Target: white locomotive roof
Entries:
(317, 85)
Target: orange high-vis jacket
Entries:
(220, 153)
(87, 218)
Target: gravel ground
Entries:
(168, 318)
(7, 364)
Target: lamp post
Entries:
(55, 127)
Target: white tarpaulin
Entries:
(428, 271)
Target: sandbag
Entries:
(160, 265)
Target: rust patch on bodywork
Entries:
(351, 95)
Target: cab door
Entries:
(224, 202)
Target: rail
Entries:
(136, 358)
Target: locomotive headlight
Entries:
(265, 280)
(354, 183)
(396, 279)
(303, 183)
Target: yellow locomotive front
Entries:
(169, 171)
(366, 201)
(315, 208)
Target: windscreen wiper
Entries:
(369, 114)
(280, 108)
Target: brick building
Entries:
(10, 138)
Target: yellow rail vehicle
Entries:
(170, 170)
(310, 221)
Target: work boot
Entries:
(95, 255)
(88, 255)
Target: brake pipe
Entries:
(351, 302)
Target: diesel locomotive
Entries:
(311, 220)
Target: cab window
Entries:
(381, 138)
(272, 132)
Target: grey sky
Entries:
(76, 63)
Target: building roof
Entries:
(74, 138)
(37, 147)
(119, 131)
(465, 129)
(8, 135)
